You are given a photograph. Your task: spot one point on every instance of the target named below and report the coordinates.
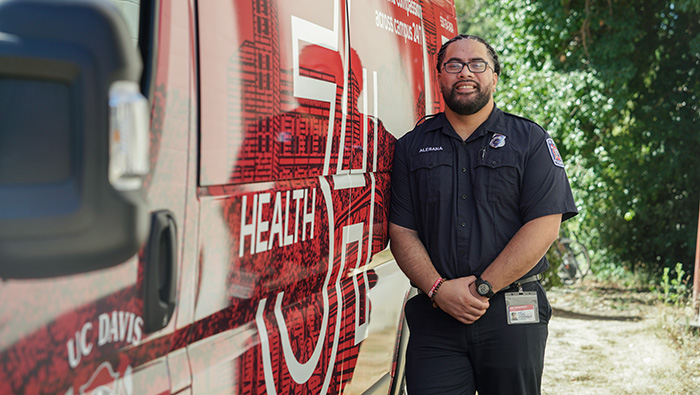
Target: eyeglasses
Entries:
(455, 67)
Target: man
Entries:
(478, 196)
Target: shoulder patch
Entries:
(554, 153)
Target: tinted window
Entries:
(28, 154)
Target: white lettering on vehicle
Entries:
(120, 326)
(412, 32)
(270, 223)
(410, 6)
(447, 25)
(114, 327)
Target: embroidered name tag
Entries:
(429, 149)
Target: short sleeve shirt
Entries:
(467, 199)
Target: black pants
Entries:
(445, 356)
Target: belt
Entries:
(524, 280)
(517, 284)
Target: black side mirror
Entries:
(73, 139)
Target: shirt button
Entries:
(464, 197)
(464, 224)
(464, 170)
(464, 143)
(494, 163)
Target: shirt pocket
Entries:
(497, 178)
(432, 176)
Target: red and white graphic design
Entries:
(272, 136)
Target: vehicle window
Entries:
(130, 10)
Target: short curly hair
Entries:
(492, 52)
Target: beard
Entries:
(465, 104)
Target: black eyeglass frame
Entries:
(468, 64)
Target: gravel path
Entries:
(612, 341)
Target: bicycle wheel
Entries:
(567, 269)
(577, 255)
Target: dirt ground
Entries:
(606, 340)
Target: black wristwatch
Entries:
(483, 288)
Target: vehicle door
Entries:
(106, 330)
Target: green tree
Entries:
(616, 83)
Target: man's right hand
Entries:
(456, 298)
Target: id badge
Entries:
(522, 308)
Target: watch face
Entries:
(483, 289)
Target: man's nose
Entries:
(465, 72)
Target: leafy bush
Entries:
(617, 85)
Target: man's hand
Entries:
(459, 299)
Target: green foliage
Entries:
(618, 275)
(674, 290)
(616, 83)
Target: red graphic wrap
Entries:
(272, 133)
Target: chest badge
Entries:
(497, 141)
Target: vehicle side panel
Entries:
(300, 106)
(82, 333)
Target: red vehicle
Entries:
(194, 193)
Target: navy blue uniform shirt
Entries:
(467, 199)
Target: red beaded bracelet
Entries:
(434, 289)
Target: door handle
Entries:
(160, 278)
